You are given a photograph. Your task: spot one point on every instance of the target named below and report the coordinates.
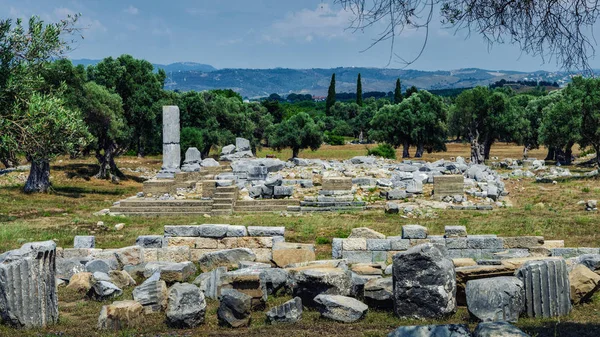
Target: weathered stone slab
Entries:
(186, 306)
(497, 329)
(584, 283)
(448, 185)
(121, 315)
(266, 231)
(234, 308)
(288, 312)
(337, 183)
(84, 241)
(496, 299)
(28, 285)
(286, 253)
(308, 282)
(149, 241)
(424, 283)
(225, 258)
(414, 232)
(455, 231)
(365, 233)
(210, 282)
(152, 294)
(247, 281)
(341, 308)
(379, 293)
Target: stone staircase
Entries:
(224, 200)
(266, 205)
(163, 207)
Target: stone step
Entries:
(218, 212)
(267, 202)
(161, 214)
(332, 204)
(170, 203)
(227, 189)
(161, 209)
(228, 201)
(330, 209)
(263, 208)
(222, 206)
(218, 194)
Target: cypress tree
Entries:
(330, 95)
(359, 100)
(398, 92)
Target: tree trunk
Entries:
(419, 151)
(526, 151)
(487, 146)
(39, 177)
(205, 151)
(551, 154)
(295, 152)
(477, 151)
(405, 147)
(597, 148)
(569, 154)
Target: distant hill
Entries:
(263, 82)
(254, 83)
(173, 67)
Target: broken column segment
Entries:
(28, 285)
(171, 148)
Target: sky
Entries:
(261, 34)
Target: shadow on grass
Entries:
(79, 192)
(563, 329)
(88, 171)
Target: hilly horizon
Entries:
(254, 83)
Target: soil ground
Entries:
(551, 210)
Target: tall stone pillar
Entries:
(28, 285)
(171, 148)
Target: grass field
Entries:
(539, 209)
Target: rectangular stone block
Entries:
(150, 241)
(205, 243)
(266, 231)
(212, 230)
(196, 254)
(414, 232)
(587, 250)
(209, 188)
(174, 254)
(354, 244)
(448, 185)
(397, 243)
(554, 244)
(150, 254)
(245, 242)
(131, 255)
(336, 248)
(416, 242)
(379, 256)
(474, 254)
(84, 241)
(263, 255)
(357, 256)
(485, 242)
(180, 241)
(337, 183)
(456, 243)
(455, 231)
(523, 241)
(437, 240)
(379, 244)
(182, 231)
(236, 231)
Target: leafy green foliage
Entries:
(333, 139)
(190, 137)
(299, 132)
(382, 150)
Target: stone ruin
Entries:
(414, 274)
(240, 182)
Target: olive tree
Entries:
(298, 132)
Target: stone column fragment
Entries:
(547, 288)
(28, 285)
(171, 148)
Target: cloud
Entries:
(131, 10)
(307, 25)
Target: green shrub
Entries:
(382, 150)
(323, 240)
(333, 139)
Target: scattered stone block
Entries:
(234, 308)
(288, 312)
(497, 329)
(448, 185)
(186, 306)
(103, 266)
(247, 281)
(427, 269)
(225, 258)
(171, 272)
(365, 233)
(391, 208)
(173, 254)
(414, 232)
(276, 280)
(310, 281)
(285, 253)
(336, 248)
(496, 299)
(367, 268)
(584, 283)
(131, 255)
(447, 330)
(379, 293)
(547, 288)
(152, 294)
(210, 282)
(104, 290)
(121, 278)
(84, 241)
(28, 296)
(341, 308)
(121, 315)
(80, 282)
(463, 262)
